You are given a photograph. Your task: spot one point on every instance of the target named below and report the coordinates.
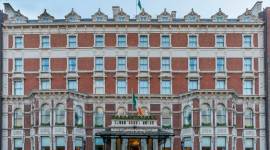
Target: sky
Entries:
(85, 8)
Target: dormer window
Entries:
(219, 18)
(246, 19)
(143, 16)
(45, 17)
(72, 16)
(166, 16)
(248, 16)
(121, 18)
(99, 19)
(99, 16)
(192, 17)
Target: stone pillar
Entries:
(143, 144)
(155, 144)
(113, 144)
(124, 144)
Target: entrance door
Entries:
(134, 144)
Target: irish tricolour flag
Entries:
(137, 105)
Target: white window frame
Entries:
(225, 83)
(40, 112)
(226, 113)
(125, 80)
(197, 65)
(243, 41)
(197, 85)
(197, 41)
(148, 82)
(139, 41)
(14, 65)
(49, 67)
(103, 44)
(225, 66)
(117, 41)
(183, 119)
(14, 41)
(170, 43)
(252, 64)
(139, 65)
(103, 66)
(41, 42)
(211, 115)
(67, 84)
(224, 41)
(74, 120)
(161, 91)
(76, 67)
(13, 86)
(104, 86)
(40, 83)
(117, 63)
(161, 64)
(76, 40)
(253, 86)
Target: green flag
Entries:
(135, 101)
(139, 4)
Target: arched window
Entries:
(121, 111)
(187, 117)
(18, 118)
(166, 118)
(145, 111)
(221, 115)
(249, 118)
(206, 115)
(99, 118)
(45, 115)
(60, 114)
(78, 116)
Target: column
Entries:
(124, 144)
(113, 144)
(155, 144)
(143, 144)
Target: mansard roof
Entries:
(45, 17)
(219, 14)
(18, 17)
(192, 16)
(248, 16)
(72, 16)
(165, 14)
(120, 15)
(143, 14)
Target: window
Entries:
(99, 64)
(193, 85)
(45, 65)
(99, 41)
(206, 115)
(220, 84)
(60, 143)
(221, 143)
(193, 64)
(166, 87)
(187, 143)
(72, 64)
(99, 86)
(165, 64)
(18, 87)
(220, 19)
(99, 118)
(45, 41)
(220, 41)
(18, 42)
(78, 143)
(192, 41)
(164, 19)
(18, 144)
(206, 143)
(165, 41)
(18, 118)
(99, 143)
(143, 64)
(121, 86)
(220, 64)
(221, 115)
(72, 84)
(45, 84)
(122, 41)
(45, 115)
(143, 86)
(121, 64)
(121, 18)
(249, 144)
(143, 41)
(60, 114)
(248, 87)
(191, 18)
(72, 41)
(249, 118)
(187, 117)
(247, 41)
(18, 65)
(166, 118)
(78, 116)
(247, 64)
(45, 143)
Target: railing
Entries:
(129, 121)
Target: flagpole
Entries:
(136, 6)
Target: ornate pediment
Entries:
(143, 16)
(45, 17)
(165, 16)
(219, 16)
(248, 16)
(192, 16)
(72, 16)
(121, 16)
(99, 16)
(18, 18)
